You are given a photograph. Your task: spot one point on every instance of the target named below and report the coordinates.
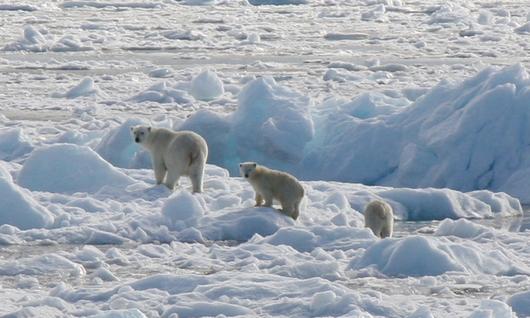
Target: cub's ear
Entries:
(240, 165)
(149, 129)
(255, 165)
(132, 128)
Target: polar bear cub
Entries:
(378, 216)
(174, 154)
(272, 184)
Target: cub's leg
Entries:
(160, 169)
(259, 199)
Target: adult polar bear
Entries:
(174, 154)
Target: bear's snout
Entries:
(246, 175)
(137, 139)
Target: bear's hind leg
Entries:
(172, 179)
(196, 178)
(290, 210)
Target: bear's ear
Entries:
(149, 129)
(255, 165)
(240, 165)
(132, 128)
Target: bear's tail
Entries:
(193, 157)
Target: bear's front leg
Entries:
(160, 170)
(259, 199)
(268, 199)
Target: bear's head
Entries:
(247, 168)
(140, 133)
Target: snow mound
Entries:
(17, 206)
(13, 144)
(198, 2)
(182, 210)
(450, 13)
(438, 204)
(520, 303)
(118, 147)
(460, 228)
(34, 40)
(42, 265)
(120, 313)
(17, 7)
(67, 168)
(206, 86)
(271, 126)
(423, 256)
(240, 225)
(276, 2)
(84, 88)
(103, 5)
(377, 13)
(464, 136)
(163, 93)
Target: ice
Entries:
(182, 210)
(402, 101)
(198, 2)
(520, 303)
(13, 144)
(67, 168)
(120, 313)
(405, 149)
(421, 256)
(160, 72)
(492, 308)
(17, 7)
(523, 29)
(84, 88)
(163, 93)
(376, 13)
(18, 207)
(41, 265)
(118, 147)
(206, 86)
(102, 4)
(271, 125)
(276, 2)
(34, 40)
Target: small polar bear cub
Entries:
(271, 184)
(378, 216)
(174, 154)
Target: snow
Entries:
(420, 256)
(84, 88)
(206, 86)
(401, 101)
(18, 206)
(520, 303)
(67, 168)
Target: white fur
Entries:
(174, 154)
(378, 216)
(271, 184)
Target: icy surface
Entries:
(421, 104)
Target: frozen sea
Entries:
(422, 104)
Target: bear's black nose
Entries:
(246, 175)
(137, 139)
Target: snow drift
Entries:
(465, 136)
(17, 206)
(67, 168)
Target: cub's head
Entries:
(140, 133)
(247, 168)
